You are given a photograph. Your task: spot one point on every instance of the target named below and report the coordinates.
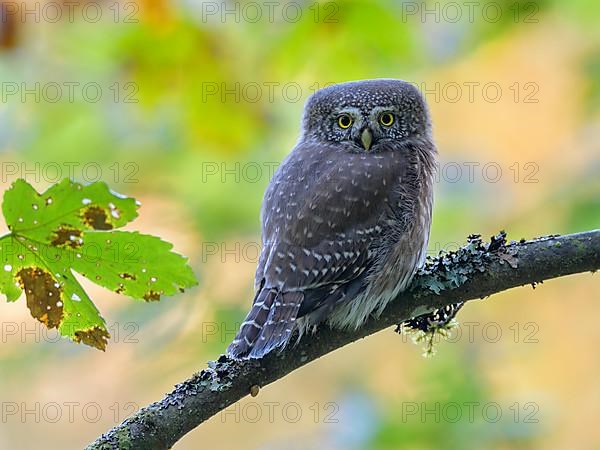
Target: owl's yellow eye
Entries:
(344, 121)
(386, 119)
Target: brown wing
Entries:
(323, 215)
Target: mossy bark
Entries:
(475, 271)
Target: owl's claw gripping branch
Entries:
(476, 271)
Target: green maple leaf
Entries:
(68, 229)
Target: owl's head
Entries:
(365, 115)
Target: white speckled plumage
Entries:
(345, 224)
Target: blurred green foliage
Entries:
(186, 73)
(455, 410)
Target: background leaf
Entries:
(53, 234)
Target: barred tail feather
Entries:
(253, 324)
(279, 326)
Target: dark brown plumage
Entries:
(346, 217)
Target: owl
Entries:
(346, 216)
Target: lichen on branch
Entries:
(475, 271)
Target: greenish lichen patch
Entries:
(450, 270)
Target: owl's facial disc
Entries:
(351, 125)
(366, 116)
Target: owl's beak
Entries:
(366, 138)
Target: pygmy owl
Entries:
(346, 217)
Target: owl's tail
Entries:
(268, 325)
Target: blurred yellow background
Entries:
(189, 106)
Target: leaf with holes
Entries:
(70, 229)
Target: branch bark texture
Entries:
(475, 271)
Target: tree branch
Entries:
(477, 270)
